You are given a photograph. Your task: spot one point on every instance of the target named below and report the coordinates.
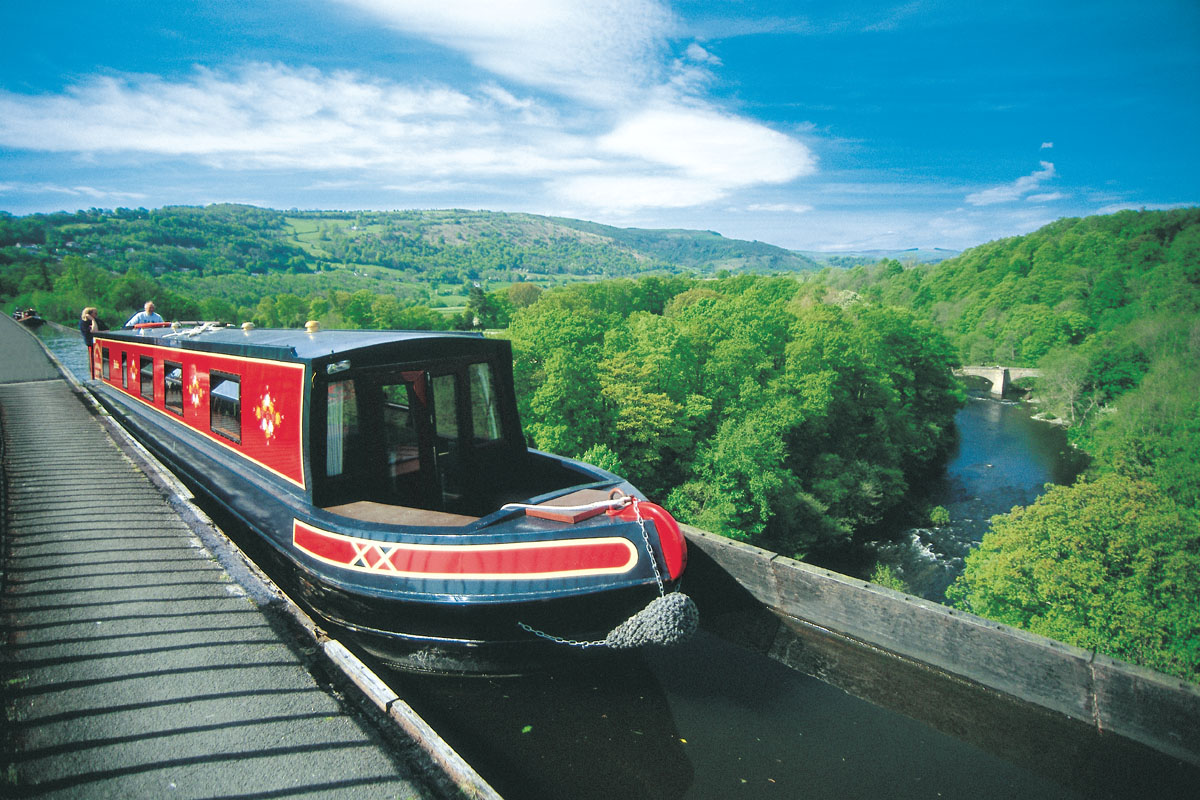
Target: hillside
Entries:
(232, 237)
(1015, 300)
(223, 260)
(499, 241)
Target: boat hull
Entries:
(441, 624)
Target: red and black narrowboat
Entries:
(389, 472)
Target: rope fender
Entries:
(668, 619)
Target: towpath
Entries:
(131, 664)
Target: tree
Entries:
(648, 384)
(131, 291)
(358, 309)
(522, 295)
(888, 576)
(264, 313)
(1111, 564)
(218, 310)
(557, 344)
(386, 313)
(744, 489)
(291, 311)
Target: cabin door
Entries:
(469, 445)
(408, 441)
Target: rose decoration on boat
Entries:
(194, 391)
(268, 417)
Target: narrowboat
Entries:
(389, 474)
(28, 317)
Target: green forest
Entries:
(752, 392)
(1109, 308)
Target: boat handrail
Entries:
(197, 329)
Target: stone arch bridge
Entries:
(1000, 377)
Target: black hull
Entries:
(496, 639)
(450, 638)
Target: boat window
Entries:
(225, 405)
(124, 370)
(146, 377)
(341, 426)
(173, 387)
(449, 456)
(485, 414)
(400, 431)
(106, 368)
(445, 409)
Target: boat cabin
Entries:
(352, 421)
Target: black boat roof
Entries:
(300, 345)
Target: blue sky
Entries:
(810, 125)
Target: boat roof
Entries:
(286, 344)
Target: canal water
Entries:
(712, 720)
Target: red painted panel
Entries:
(520, 560)
(271, 395)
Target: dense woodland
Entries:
(1109, 308)
(796, 411)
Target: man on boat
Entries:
(144, 316)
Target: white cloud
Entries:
(676, 156)
(82, 191)
(699, 55)
(727, 150)
(1010, 192)
(1047, 145)
(596, 50)
(636, 131)
(1047, 197)
(785, 208)
(272, 116)
(264, 116)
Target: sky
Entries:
(836, 126)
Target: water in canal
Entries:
(711, 720)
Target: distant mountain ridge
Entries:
(425, 244)
(852, 258)
(580, 246)
(695, 248)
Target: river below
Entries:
(711, 720)
(1003, 458)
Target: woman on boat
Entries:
(89, 325)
